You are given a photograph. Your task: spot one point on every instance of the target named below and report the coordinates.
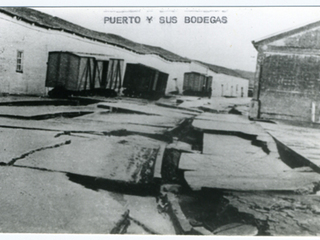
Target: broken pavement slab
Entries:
(132, 119)
(229, 123)
(218, 144)
(144, 210)
(177, 216)
(44, 112)
(170, 105)
(79, 126)
(34, 201)
(101, 121)
(302, 142)
(20, 100)
(130, 159)
(150, 109)
(158, 163)
(243, 174)
(18, 142)
(39, 201)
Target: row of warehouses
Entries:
(39, 52)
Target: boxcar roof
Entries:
(97, 56)
(94, 55)
(145, 66)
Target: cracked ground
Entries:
(91, 168)
(78, 173)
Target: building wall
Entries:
(287, 79)
(225, 85)
(36, 42)
(288, 85)
(199, 68)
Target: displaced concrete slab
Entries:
(210, 122)
(101, 122)
(144, 210)
(138, 119)
(43, 112)
(230, 118)
(299, 140)
(215, 126)
(158, 163)
(78, 125)
(215, 104)
(132, 108)
(180, 146)
(177, 216)
(243, 174)
(34, 201)
(150, 109)
(27, 100)
(165, 104)
(130, 159)
(224, 144)
(17, 142)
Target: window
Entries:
(19, 66)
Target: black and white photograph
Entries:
(160, 120)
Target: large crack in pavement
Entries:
(47, 116)
(14, 160)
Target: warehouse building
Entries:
(28, 36)
(287, 79)
(39, 52)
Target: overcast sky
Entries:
(225, 44)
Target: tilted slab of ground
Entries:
(254, 174)
(150, 109)
(302, 140)
(138, 119)
(226, 123)
(34, 201)
(37, 111)
(38, 201)
(130, 159)
(78, 125)
(231, 162)
(17, 142)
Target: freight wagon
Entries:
(83, 74)
(197, 84)
(143, 81)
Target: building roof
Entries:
(44, 20)
(221, 70)
(286, 33)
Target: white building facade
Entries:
(24, 49)
(25, 43)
